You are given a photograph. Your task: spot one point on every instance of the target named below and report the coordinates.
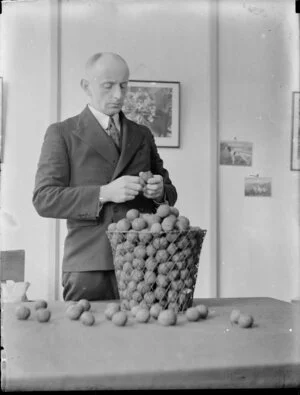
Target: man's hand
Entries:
(154, 189)
(121, 190)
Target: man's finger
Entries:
(147, 194)
(151, 188)
(133, 179)
(134, 187)
(152, 192)
(157, 179)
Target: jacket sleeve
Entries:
(157, 167)
(53, 197)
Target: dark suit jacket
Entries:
(77, 157)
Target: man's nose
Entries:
(117, 93)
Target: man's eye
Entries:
(124, 86)
(107, 85)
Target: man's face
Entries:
(107, 84)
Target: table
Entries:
(212, 353)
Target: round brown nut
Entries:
(142, 315)
(40, 304)
(119, 318)
(155, 310)
(22, 312)
(85, 304)
(74, 311)
(234, 316)
(167, 317)
(192, 314)
(43, 315)
(245, 321)
(203, 310)
(87, 318)
(111, 309)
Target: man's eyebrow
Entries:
(114, 82)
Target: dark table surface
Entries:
(212, 353)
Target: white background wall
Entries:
(26, 45)
(169, 40)
(259, 68)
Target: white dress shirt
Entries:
(103, 119)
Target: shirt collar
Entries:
(103, 119)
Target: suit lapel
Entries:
(90, 131)
(131, 140)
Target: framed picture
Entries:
(236, 153)
(155, 104)
(295, 143)
(258, 186)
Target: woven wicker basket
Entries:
(156, 268)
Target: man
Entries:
(88, 173)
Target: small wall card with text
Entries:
(236, 153)
(258, 186)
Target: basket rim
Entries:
(191, 229)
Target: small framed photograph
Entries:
(155, 104)
(258, 186)
(295, 143)
(236, 153)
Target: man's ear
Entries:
(85, 86)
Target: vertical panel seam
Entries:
(55, 113)
(214, 141)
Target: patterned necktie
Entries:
(113, 132)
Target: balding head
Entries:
(105, 82)
(104, 59)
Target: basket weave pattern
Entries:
(156, 268)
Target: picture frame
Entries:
(155, 104)
(236, 153)
(295, 140)
(258, 186)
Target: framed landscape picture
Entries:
(236, 153)
(295, 143)
(155, 104)
(258, 186)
